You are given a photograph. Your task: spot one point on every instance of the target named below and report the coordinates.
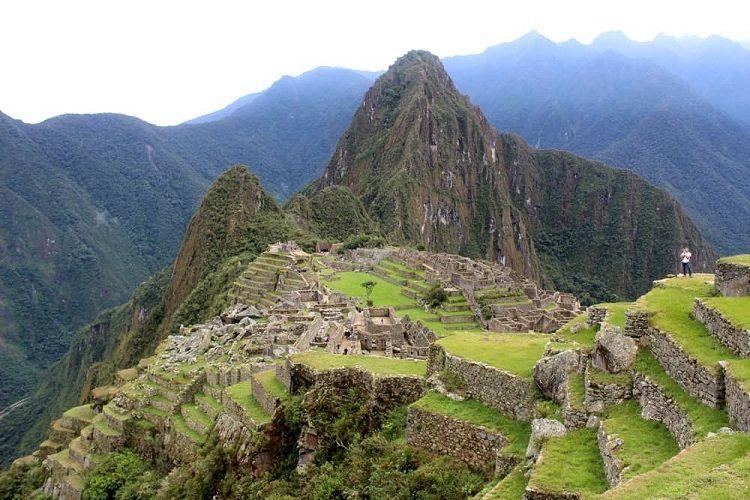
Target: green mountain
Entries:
(236, 220)
(627, 112)
(430, 170)
(92, 205)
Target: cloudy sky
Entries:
(168, 61)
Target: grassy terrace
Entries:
(570, 463)
(196, 414)
(210, 401)
(584, 336)
(182, 428)
(84, 413)
(242, 395)
(646, 443)
(378, 365)
(102, 426)
(715, 468)
(740, 260)
(703, 418)
(576, 384)
(672, 303)
(736, 310)
(516, 353)
(476, 413)
(271, 384)
(616, 312)
(511, 486)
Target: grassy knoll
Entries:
(271, 384)
(672, 303)
(703, 418)
(321, 360)
(476, 413)
(242, 395)
(583, 334)
(84, 413)
(718, 467)
(740, 260)
(646, 443)
(570, 463)
(516, 353)
(616, 312)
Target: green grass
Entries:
(601, 377)
(210, 400)
(646, 443)
(516, 353)
(715, 468)
(155, 411)
(241, 394)
(510, 487)
(102, 426)
(182, 428)
(570, 463)
(197, 414)
(476, 413)
(616, 312)
(577, 390)
(112, 412)
(703, 418)
(378, 365)
(736, 310)
(384, 294)
(672, 303)
(84, 413)
(740, 260)
(585, 336)
(271, 384)
(432, 321)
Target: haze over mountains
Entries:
(94, 204)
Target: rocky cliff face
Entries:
(430, 169)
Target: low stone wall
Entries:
(703, 383)
(226, 375)
(477, 446)
(738, 403)
(252, 450)
(656, 405)
(499, 389)
(600, 395)
(734, 338)
(613, 466)
(732, 280)
(265, 399)
(595, 315)
(637, 323)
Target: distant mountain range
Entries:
(93, 204)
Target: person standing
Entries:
(686, 256)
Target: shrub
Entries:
(121, 476)
(435, 296)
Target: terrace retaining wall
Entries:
(508, 393)
(738, 403)
(656, 405)
(703, 383)
(732, 280)
(608, 445)
(734, 338)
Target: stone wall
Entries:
(704, 383)
(608, 445)
(601, 394)
(738, 403)
(595, 315)
(265, 399)
(656, 405)
(734, 338)
(474, 445)
(637, 323)
(732, 280)
(508, 393)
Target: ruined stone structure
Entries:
(733, 278)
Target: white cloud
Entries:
(167, 61)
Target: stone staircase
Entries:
(265, 280)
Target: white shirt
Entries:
(686, 257)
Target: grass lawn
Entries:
(182, 427)
(511, 486)
(736, 310)
(84, 413)
(432, 321)
(384, 294)
(271, 384)
(601, 377)
(570, 463)
(577, 390)
(672, 303)
(101, 425)
(584, 336)
(646, 443)
(616, 312)
(210, 401)
(197, 414)
(476, 413)
(378, 365)
(714, 468)
(740, 260)
(516, 353)
(703, 418)
(242, 395)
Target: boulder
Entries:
(541, 430)
(551, 373)
(613, 352)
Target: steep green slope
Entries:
(429, 169)
(629, 113)
(235, 221)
